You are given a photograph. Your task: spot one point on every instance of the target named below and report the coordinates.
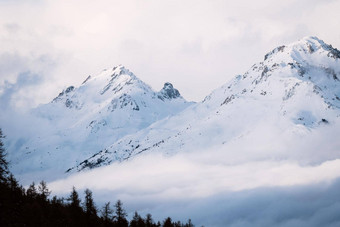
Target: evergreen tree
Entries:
(3, 162)
(167, 222)
(13, 183)
(90, 208)
(74, 198)
(120, 215)
(43, 190)
(134, 220)
(57, 201)
(32, 191)
(148, 221)
(189, 224)
(76, 214)
(177, 224)
(107, 213)
(137, 221)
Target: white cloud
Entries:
(197, 45)
(213, 193)
(269, 178)
(184, 176)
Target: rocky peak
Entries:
(168, 92)
(121, 70)
(119, 78)
(311, 44)
(63, 93)
(304, 47)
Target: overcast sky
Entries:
(197, 45)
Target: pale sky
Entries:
(196, 45)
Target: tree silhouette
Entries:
(189, 224)
(33, 208)
(3, 162)
(74, 198)
(167, 222)
(32, 191)
(120, 215)
(90, 208)
(43, 190)
(137, 220)
(149, 221)
(107, 214)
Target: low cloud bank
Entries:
(309, 205)
(262, 193)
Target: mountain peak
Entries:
(302, 48)
(311, 44)
(169, 92)
(312, 39)
(122, 70)
(117, 72)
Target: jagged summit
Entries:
(302, 48)
(114, 116)
(116, 71)
(117, 85)
(116, 79)
(169, 92)
(296, 89)
(304, 70)
(102, 110)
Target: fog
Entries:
(266, 178)
(212, 193)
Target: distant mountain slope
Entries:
(83, 120)
(276, 106)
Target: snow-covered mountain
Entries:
(273, 109)
(84, 120)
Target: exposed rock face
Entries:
(115, 116)
(87, 118)
(169, 92)
(296, 87)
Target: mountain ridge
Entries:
(298, 81)
(293, 93)
(84, 119)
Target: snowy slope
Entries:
(83, 120)
(275, 110)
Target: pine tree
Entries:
(120, 215)
(189, 224)
(134, 220)
(177, 224)
(43, 190)
(13, 183)
(107, 213)
(32, 191)
(74, 198)
(90, 207)
(137, 221)
(76, 213)
(148, 221)
(3, 162)
(168, 222)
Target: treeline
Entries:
(34, 207)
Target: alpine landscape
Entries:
(261, 149)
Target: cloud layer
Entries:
(262, 193)
(259, 180)
(198, 46)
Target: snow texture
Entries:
(290, 96)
